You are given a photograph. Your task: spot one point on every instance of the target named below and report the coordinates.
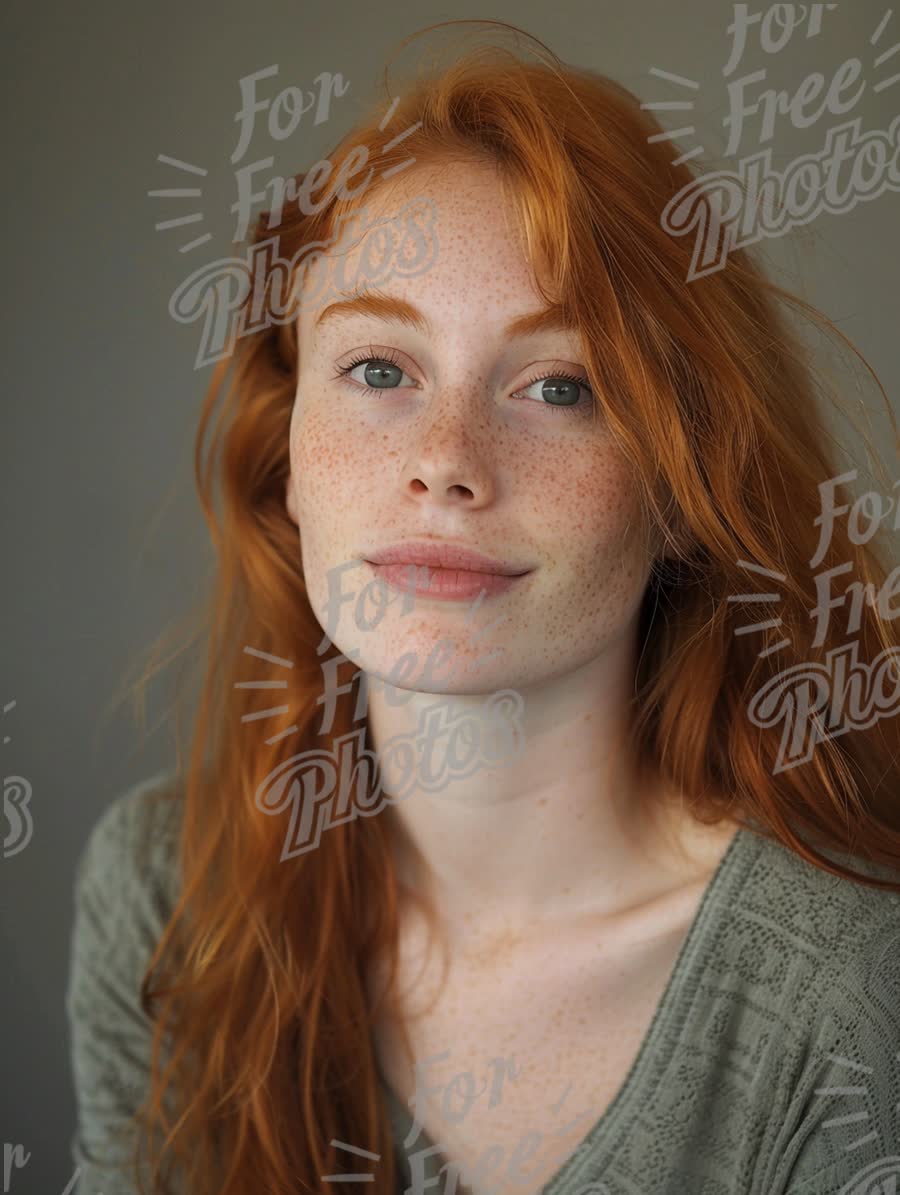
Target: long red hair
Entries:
(262, 1022)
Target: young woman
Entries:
(541, 872)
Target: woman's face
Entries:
(463, 440)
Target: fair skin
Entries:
(563, 844)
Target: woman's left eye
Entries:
(562, 391)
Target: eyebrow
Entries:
(378, 304)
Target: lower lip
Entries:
(444, 584)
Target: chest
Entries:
(519, 1052)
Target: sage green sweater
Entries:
(771, 1067)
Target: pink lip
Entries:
(444, 571)
(444, 556)
(445, 584)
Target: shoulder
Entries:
(126, 885)
(136, 835)
(126, 875)
(826, 942)
(835, 925)
(142, 818)
(846, 1123)
(830, 949)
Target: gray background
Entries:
(103, 542)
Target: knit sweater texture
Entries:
(771, 1066)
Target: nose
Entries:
(451, 459)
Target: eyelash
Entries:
(389, 357)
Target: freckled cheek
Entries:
(593, 501)
(330, 466)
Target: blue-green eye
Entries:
(562, 391)
(380, 373)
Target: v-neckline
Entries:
(680, 976)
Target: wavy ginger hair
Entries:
(256, 988)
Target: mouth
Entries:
(445, 556)
(445, 584)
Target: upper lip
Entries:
(443, 554)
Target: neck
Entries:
(569, 826)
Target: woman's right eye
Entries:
(377, 374)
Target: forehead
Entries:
(478, 268)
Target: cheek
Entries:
(334, 472)
(598, 503)
(316, 457)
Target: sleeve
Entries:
(849, 1140)
(122, 899)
